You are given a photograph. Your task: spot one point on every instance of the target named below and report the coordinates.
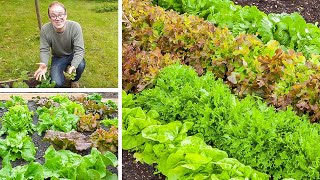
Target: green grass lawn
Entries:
(19, 39)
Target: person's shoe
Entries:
(75, 84)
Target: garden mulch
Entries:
(309, 9)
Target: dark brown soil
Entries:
(309, 9)
(132, 170)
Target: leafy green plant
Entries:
(177, 155)
(46, 83)
(112, 104)
(105, 140)
(127, 100)
(100, 108)
(58, 113)
(280, 144)
(44, 101)
(73, 140)
(110, 122)
(154, 38)
(15, 100)
(16, 123)
(134, 121)
(92, 166)
(71, 76)
(249, 19)
(94, 97)
(56, 118)
(18, 145)
(70, 106)
(88, 122)
(33, 170)
(18, 118)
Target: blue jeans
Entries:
(60, 64)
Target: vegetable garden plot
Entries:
(281, 144)
(26, 80)
(291, 30)
(154, 38)
(306, 7)
(46, 133)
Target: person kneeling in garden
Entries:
(65, 39)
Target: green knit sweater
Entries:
(62, 44)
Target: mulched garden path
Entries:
(309, 9)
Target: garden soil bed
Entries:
(132, 170)
(309, 9)
(42, 145)
(28, 96)
(32, 83)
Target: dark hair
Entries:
(57, 3)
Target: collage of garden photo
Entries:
(160, 90)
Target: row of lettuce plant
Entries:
(75, 167)
(154, 38)
(278, 143)
(16, 125)
(59, 117)
(64, 117)
(291, 30)
(177, 155)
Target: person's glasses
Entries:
(60, 16)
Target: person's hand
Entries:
(41, 72)
(71, 69)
